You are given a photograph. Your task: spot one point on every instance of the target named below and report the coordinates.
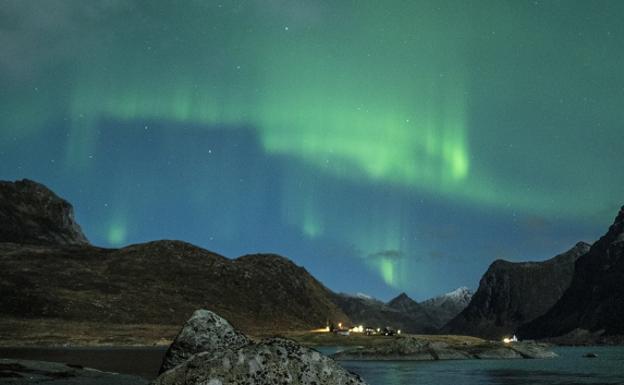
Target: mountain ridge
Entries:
(30, 213)
(50, 271)
(513, 293)
(594, 301)
(447, 306)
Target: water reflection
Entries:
(569, 369)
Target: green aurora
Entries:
(506, 106)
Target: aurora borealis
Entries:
(385, 146)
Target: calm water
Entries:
(570, 368)
(143, 362)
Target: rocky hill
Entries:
(400, 313)
(447, 306)
(511, 294)
(49, 271)
(31, 213)
(595, 299)
(160, 282)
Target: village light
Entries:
(508, 340)
(357, 329)
(399, 331)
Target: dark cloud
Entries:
(387, 254)
(37, 34)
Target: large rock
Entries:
(511, 294)
(533, 350)
(31, 213)
(594, 302)
(203, 332)
(272, 361)
(209, 351)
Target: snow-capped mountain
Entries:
(445, 307)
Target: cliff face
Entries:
(447, 306)
(32, 214)
(595, 299)
(511, 294)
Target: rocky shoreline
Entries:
(20, 372)
(418, 348)
(208, 350)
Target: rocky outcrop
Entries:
(203, 332)
(594, 301)
(32, 214)
(417, 348)
(511, 294)
(447, 306)
(404, 313)
(270, 361)
(16, 372)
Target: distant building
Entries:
(508, 340)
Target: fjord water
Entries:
(570, 368)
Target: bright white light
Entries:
(357, 329)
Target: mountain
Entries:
(400, 313)
(513, 293)
(405, 304)
(594, 300)
(160, 282)
(49, 271)
(447, 306)
(31, 213)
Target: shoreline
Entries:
(57, 333)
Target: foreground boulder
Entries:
(203, 332)
(209, 351)
(272, 361)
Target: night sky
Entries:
(386, 146)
